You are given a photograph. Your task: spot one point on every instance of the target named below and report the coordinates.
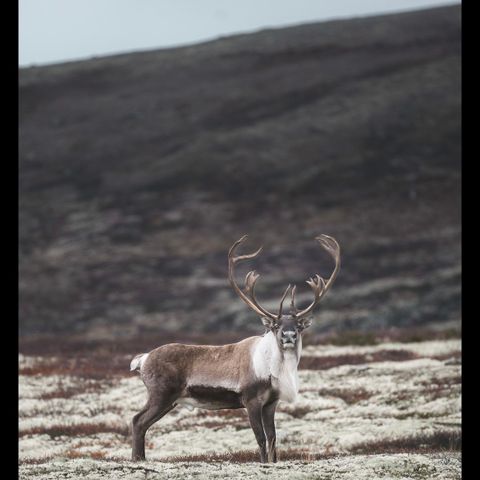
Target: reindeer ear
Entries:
(304, 323)
(269, 323)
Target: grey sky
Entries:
(53, 31)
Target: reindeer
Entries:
(255, 373)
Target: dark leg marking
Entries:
(216, 396)
(142, 421)
(268, 415)
(254, 410)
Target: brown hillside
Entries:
(138, 171)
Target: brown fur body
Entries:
(211, 377)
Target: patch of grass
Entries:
(100, 367)
(240, 456)
(432, 389)
(79, 429)
(295, 412)
(71, 454)
(68, 391)
(96, 455)
(365, 338)
(441, 387)
(403, 416)
(236, 418)
(349, 396)
(239, 413)
(448, 356)
(93, 367)
(218, 425)
(248, 456)
(61, 344)
(64, 345)
(326, 362)
(444, 382)
(348, 337)
(35, 461)
(437, 391)
(421, 443)
(401, 396)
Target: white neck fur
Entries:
(280, 365)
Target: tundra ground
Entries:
(391, 410)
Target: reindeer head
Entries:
(287, 327)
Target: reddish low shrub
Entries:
(79, 429)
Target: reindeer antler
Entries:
(248, 295)
(318, 284)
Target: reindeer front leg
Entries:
(254, 410)
(268, 415)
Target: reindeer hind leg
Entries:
(143, 420)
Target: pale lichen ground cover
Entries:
(73, 427)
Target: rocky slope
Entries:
(137, 172)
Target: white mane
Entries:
(268, 361)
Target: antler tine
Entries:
(318, 284)
(293, 308)
(333, 248)
(239, 258)
(281, 302)
(250, 281)
(249, 295)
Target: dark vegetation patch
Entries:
(248, 456)
(443, 382)
(101, 366)
(438, 391)
(72, 454)
(236, 413)
(400, 335)
(80, 429)
(95, 455)
(401, 396)
(218, 424)
(421, 443)
(51, 345)
(454, 357)
(330, 361)
(348, 395)
(441, 441)
(432, 389)
(438, 388)
(236, 418)
(295, 411)
(35, 461)
(425, 443)
(424, 415)
(241, 456)
(93, 367)
(68, 391)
